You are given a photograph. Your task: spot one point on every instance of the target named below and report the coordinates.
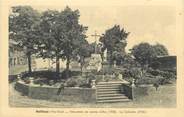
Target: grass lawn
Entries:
(17, 69)
(164, 97)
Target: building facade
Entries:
(168, 63)
(16, 54)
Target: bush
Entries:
(167, 74)
(132, 73)
(152, 80)
(106, 70)
(85, 83)
(91, 76)
(145, 80)
(70, 73)
(49, 75)
(71, 82)
(40, 82)
(150, 76)
(78, 81)
(163, 80)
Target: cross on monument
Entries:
(95, 35)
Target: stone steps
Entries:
(108, 89)
(115, 100)
(110, 95)
(110, 92)
(112, 83)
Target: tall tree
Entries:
(113, 40)
(51, 28)
(62, 35)
(83, 52)
(23, 21)
(160, 50)
(73, 34)
(144, 53)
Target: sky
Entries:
(152, 24)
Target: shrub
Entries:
(49, 75)
(91, 76)
(152, 80)
(78, 81)
(40, 81)
(167, 74)
(82, 82)
(70, 73)
(146, 80)
(132, 73)
(163, 80)
(71, 82)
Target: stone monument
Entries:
(95, 62)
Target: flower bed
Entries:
(51, 78)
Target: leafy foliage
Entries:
(114, 40)
(82, 52)
(129, 62)
(23, 23)
(144, 53)
(62, 35)
(160, 50)
(79, 81)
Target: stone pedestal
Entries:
(31, 80)
(133, 83)
(93, 84)
(18, 77)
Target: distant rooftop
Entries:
(173, 56)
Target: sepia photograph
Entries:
(92, 56)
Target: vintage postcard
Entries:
(92, 57)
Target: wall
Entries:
(136, 92)
(127, 90)
(12, 78)
(139, 91)
(23, 88)
(16, 54)
(83, 95)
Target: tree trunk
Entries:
(110, 58)
(67, 66)
(29, 62)
(67, 63)
(102, 57)
(57, 64)
(81, 65)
